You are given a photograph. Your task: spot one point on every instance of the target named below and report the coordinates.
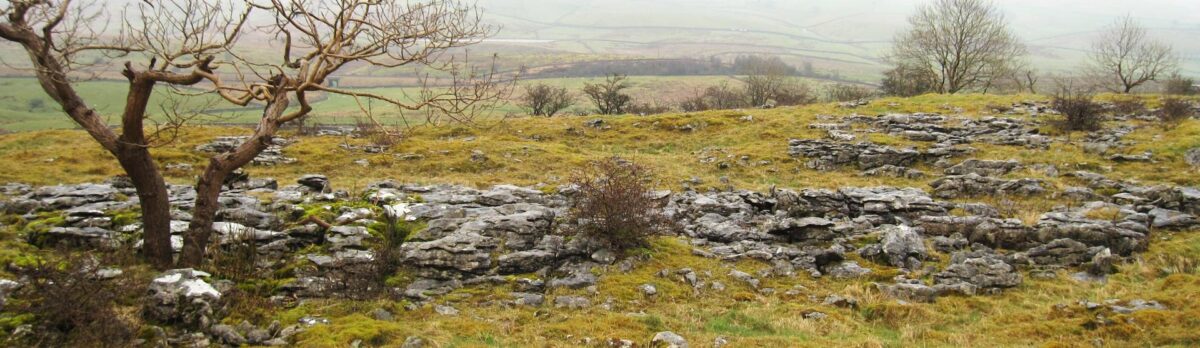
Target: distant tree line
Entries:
(766, 83)
(676, 67)
(955, 46)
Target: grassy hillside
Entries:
(25, 107)
(531, 151)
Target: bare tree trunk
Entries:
(156, 209)
(133, 152)
(208, 188)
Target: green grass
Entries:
(25, 107)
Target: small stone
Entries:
(744, 277)
(413, 342)
(572, 302)
(227, 334)
(1193, 157)
(839, 301)
(256, 336)
(445, 310)
(382, 315)
(604, 256)
(648, 289)
(667, 339)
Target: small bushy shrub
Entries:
(794, 94)
(615, 206)
(1178, 85)
(647, 108)
(71, 304)
(1174, 111)
(845, 92)
(718, 97)
(1079, 111)
(1129, 106)
(545, 100)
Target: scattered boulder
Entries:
(975, 272)
(667, 339)
(182, 297)
(1059, 252)
(909, 292)
(572, 302)
(314, 182)
(1192, 157)
(846, 270)
(841, 301)
(902, 247)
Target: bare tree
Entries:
(964, 43)
(1127, 56)
(906, 80)
(721, 96)
(766, 80)
(181, 40)
(1018, 77)
(545, 100)
(609, 96)
(1028, 79)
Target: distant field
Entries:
(24, 106)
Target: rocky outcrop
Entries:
(1123, 237)
(826, 155)
(976, 272)
(271, 156)
(991, 232)
(900, 246)
(984, 167)
(974, 185)
(1060, 252)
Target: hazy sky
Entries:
(1057, 31)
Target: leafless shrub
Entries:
(1179, 85)
(614, 205)
(1129, 106)
(391, 236)
(609, 96)
(647, 108)
(718, 97)
(1079, 111)
(794, 92)
(376, 133)
(769, 83)
(846, 92)
(1174, 111)
(237, 259)
(694, 103)
(72, 304)
(366, 279)
(545, 100)
(907, 80)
